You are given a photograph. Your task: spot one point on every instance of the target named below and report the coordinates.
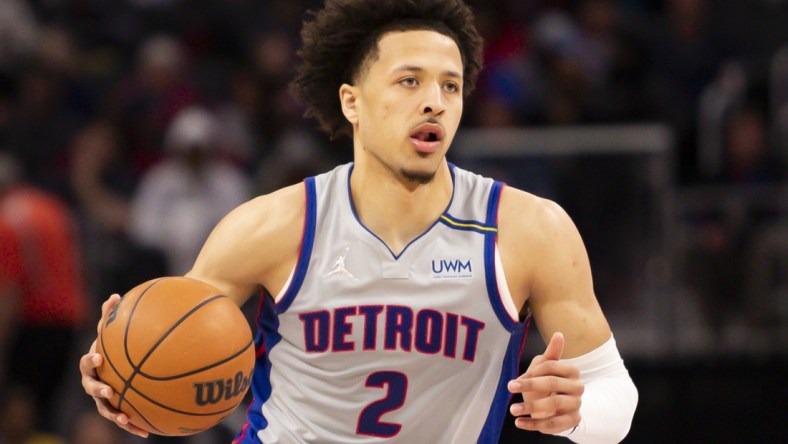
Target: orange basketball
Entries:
(178, 354)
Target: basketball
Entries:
(178, 354)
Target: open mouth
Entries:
(427, 133)
(426, 137)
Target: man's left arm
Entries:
(579, 386)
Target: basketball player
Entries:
(398, 288)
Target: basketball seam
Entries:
(126, 383)
(199, 370)
(104, 349)
(106, 356)
(128, 321)
(136, 368)
(109, 360)
(161, 432)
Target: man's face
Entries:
(409, 104)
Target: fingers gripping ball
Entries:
(178, 354)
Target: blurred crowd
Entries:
(128, 128)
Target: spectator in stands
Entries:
(180, 199)
(97, 176)
(40, 125)
(51, 304)
(144, 103)
(103, 184)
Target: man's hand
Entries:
(551, 392)
(101, 392)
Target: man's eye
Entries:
(451, 87)
(410, 81)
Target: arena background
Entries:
(660, 125)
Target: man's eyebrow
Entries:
(413, 68)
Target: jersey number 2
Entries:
(369, 422)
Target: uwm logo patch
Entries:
(452, 269)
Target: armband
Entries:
(609, 399)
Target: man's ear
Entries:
(348, 97)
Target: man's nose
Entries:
(433, 101)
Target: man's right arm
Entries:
(255, 245)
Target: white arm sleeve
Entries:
(609, 399)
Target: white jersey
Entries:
(365, 346)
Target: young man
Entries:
(398, 288)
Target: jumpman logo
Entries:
(339, 267)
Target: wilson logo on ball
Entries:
(212, 392)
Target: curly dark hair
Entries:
(340, 38)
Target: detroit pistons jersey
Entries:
(365, 346)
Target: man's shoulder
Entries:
(254, 240)
(265, 213)
(533, 206)
(526, 214)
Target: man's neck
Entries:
(398, 211)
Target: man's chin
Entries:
(420, 177)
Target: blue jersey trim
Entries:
(310, 221)
(489, 261)
(355, 214)
(266, 338)
(492, 204)
(510, 368)
(491, 431)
